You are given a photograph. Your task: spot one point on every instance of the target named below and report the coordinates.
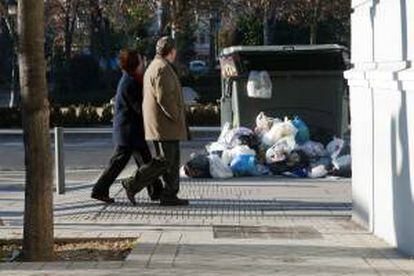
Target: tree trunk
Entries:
(266, 26)
(212, 41)
(161, 16)
(38, 213)
(313, 34)
(13, 37)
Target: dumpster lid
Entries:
(238, 60)
(282, 48)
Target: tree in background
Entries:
(61, 19)
(7, 20)
(311, 13)
(38, 212)
(130, 21)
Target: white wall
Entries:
(382, 118)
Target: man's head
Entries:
(166, 48)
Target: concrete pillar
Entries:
(382, 110)
(361, 105)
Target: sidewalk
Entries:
(248, 226)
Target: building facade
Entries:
(382, 112)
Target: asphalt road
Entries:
(84, 151)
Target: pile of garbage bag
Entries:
(274, 147)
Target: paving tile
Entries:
(180, 241)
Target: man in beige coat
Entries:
(164, 116)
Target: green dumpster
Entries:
(307, 82)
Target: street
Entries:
(83, 151)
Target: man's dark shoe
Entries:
(103, 198)
(129, 193)
(173, 201)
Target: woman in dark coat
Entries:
(128, 130)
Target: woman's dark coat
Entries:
(128, 122)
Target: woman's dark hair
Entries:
(128, 60)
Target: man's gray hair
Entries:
(165, 45)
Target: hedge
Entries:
(88, 116)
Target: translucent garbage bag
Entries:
(259, 85)
(231, 137)
(215, 148)
(342, 166)
(183, 173)
(303, 135)
(244, 165)
(218, 169)
(229, 154)
(224, 133)
(264, 123)
(319, 171)
(227, 157)
(278, 151)
(278, 131)
(313, 149)
(337, 147)
(343, 162)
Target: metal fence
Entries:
(59, 133)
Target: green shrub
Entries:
(203, 115)
(87, 115)
(107, 114)
(70, 117)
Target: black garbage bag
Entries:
(198, 167)
(252, 141)
(279, 167)
(296, 161)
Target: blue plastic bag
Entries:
(244, 165)
(303, 135)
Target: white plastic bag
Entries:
(278, 151)
(259, 85)
(313, 149)
(182, 173)
(229, 137)
(342, 163)
(318, 172)
(278, 131)
(217, 168)
(215, 147)
(224, 132)
(335, 147)
(264, 123)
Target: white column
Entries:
(382, 106)
(361, 104)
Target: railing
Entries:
(59, 132)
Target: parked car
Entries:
(198, 67)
